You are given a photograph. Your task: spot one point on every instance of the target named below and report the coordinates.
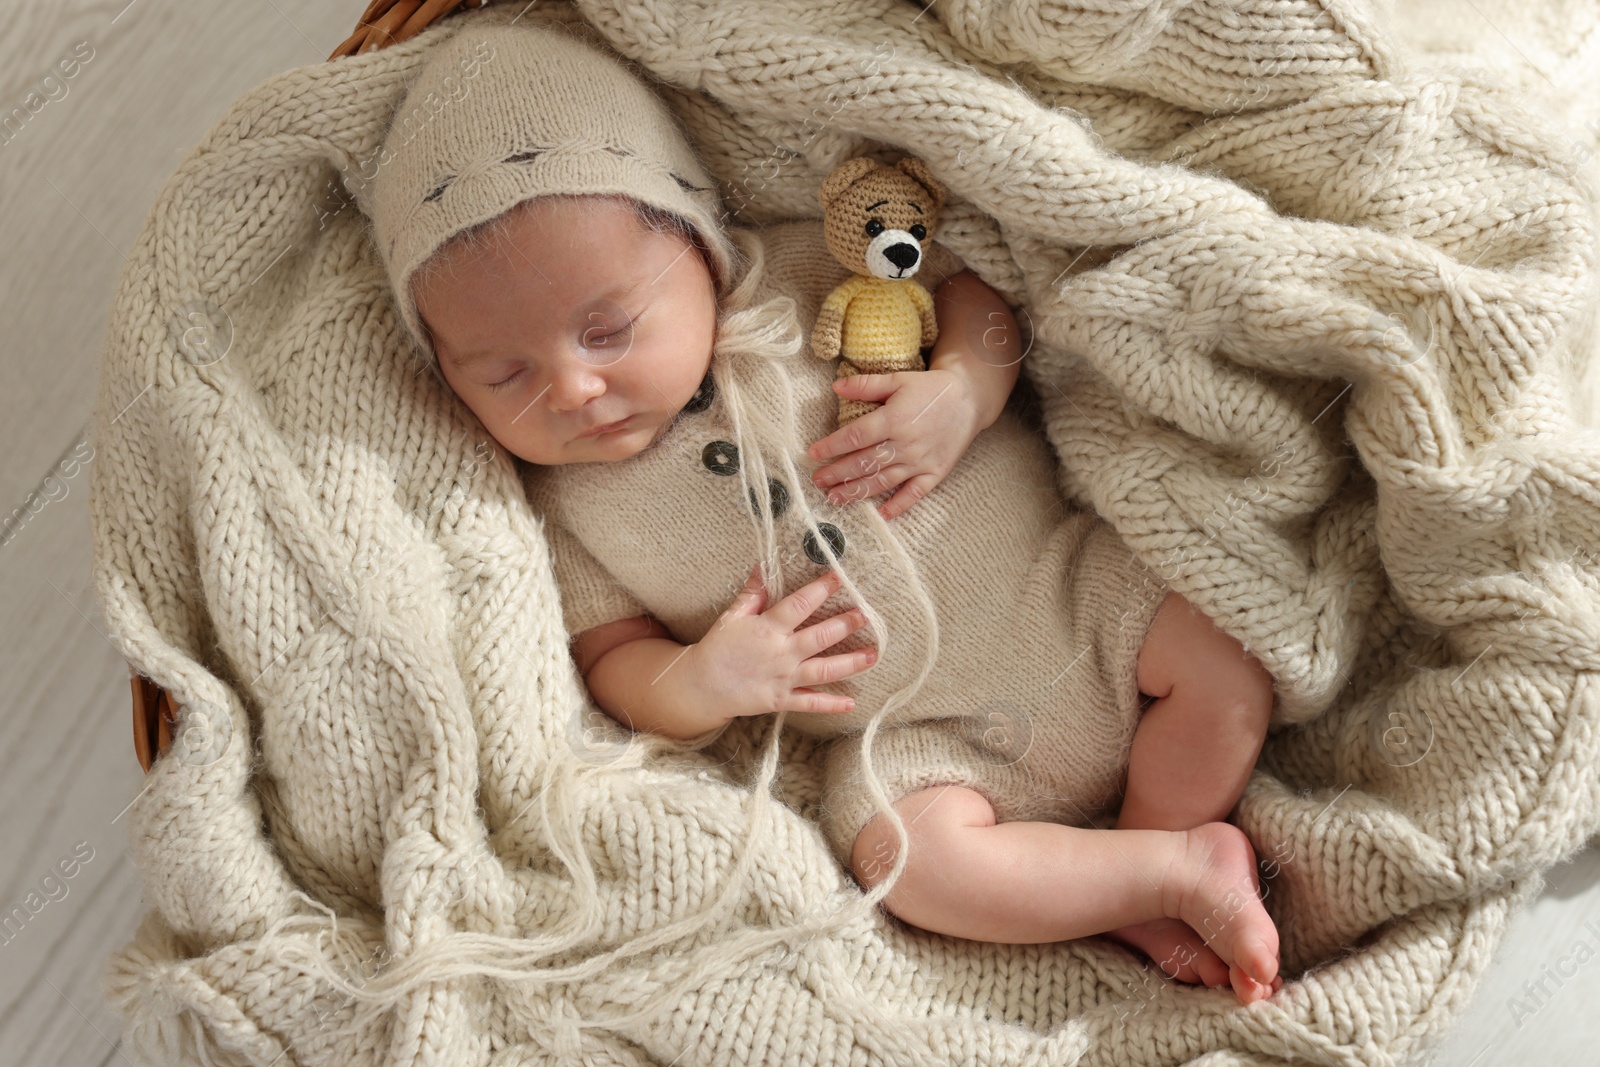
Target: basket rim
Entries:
(387, 22)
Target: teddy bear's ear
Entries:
(919, 172)
(843, 177)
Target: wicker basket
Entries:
(387, 21)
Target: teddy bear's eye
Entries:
(874, 227)
(919, 231)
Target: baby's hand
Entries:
(752, 661)
(927, 420)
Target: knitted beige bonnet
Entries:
(502, 112)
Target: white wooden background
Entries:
(76, 181)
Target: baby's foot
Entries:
(1213, 887)
(1176, 949)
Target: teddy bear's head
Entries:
(877, 218)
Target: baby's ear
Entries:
(918, 171)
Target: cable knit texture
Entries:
(1308, 320)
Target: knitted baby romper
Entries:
(1042, 609)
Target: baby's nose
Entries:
(573, 389)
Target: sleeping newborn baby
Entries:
(559, 258)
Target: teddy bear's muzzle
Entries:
(894, 254)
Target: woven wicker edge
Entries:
(387, 22)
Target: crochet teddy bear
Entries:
(876, 219)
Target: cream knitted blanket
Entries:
(1308, 319)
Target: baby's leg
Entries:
(1196, 745)
(1193, 752)
(1036, 882)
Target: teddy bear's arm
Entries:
(827, 332)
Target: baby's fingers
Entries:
(910, 491)
(819, 670)
(752, 599)
(868, 485)
(829, 632)
(809, 700)
(797, 607)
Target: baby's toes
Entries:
(1259, 955)
(1248, 989)
(1220, 902)
(1174, 944)
(1213, 972)
(1176, 950)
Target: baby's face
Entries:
(588, 319)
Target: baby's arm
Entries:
(978, 337)
(928, 419)
(752, 661)
(623, 663)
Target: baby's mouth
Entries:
(605, 428)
